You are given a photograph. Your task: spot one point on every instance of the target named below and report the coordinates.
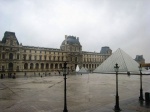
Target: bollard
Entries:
(147, 97)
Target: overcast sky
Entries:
(121, 24)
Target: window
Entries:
(10, 56)
(42, 65)
(24, 56)
(76, 59)
(30, 57)
(47, 66)
(25, 66)
(17, 56)
(40, 57)
(34, 57)
(31, 66)
(3, 56)
(37, 66)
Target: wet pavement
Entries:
(85, 93)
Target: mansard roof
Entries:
(71, 40)
(8, 35)
(105, 50)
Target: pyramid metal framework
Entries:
(124, 61)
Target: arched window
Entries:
(37, 66)
(11, 56)
(42, 65)
(56, 66)
(31, 66)
(51, 66)
(47, 66)
(3, 56)
(26, 66)
(60, 66)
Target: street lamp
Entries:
(65, 98)
(141, 90)
(117, 108)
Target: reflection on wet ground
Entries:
(85, 93)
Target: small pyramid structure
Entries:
(77, 68)
(83, 70)
(124, 61)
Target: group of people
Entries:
(10, 75)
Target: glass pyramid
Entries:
(83, 70)
(124, 61)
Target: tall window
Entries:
(24, 56)
(26, 66)
(11, 56)
(34, 57)
(42, 65)
(47, 66)
(76, 59)
(31, 66)
(37, 66)
(40, 57)
(17, 56)
(30, 57)
(45, 56)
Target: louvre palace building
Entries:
(15, 57)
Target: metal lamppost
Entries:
(117, 108)
(65, 98)
(141, 90)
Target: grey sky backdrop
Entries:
(121, 24)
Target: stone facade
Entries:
(18, 58)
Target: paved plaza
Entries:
(85, 93)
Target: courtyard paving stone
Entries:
(85, 93)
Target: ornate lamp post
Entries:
(117, 108)
(65, 98)
(141, 90)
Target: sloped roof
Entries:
(125, 63)
(83, 70)
(7, 34)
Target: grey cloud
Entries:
(117, 23)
